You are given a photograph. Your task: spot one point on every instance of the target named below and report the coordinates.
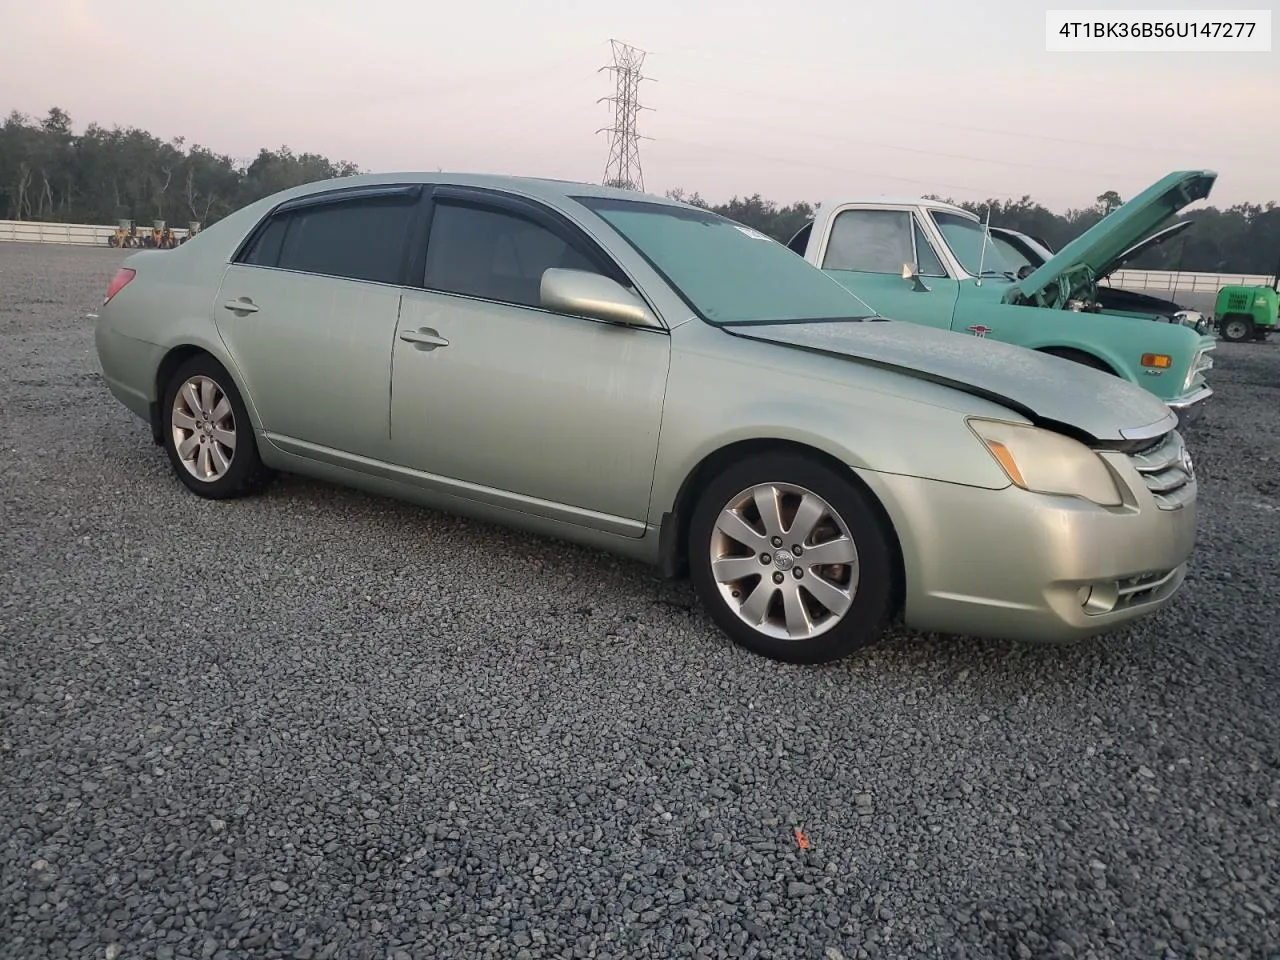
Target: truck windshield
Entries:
(726, 272)
(964, 237)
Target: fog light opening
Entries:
(1098, 598)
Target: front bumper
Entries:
(1190, 407)
(1009, 564)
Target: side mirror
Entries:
(583, 294)
(912, 273)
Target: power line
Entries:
(623, 166)
(1074, 141)
(806, 135)
(793, 162)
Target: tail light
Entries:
(118, 283)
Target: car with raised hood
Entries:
(933, 263)
(654, 380)
(1025, 253)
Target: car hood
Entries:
(1115, 235)
(1046, 390)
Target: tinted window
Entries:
(870, 241)
(265, 249)
(358, 239)
(495, 255)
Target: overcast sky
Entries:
(796, 101)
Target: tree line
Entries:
(48, 172)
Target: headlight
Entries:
(1042, 461)
(1194, 368)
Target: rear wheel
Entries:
(791, 559)
(207, 433)
(1236, 328)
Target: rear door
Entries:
(308, 313)
(866, 248)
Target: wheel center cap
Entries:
(784, 560)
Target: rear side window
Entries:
(364, 239)
(494, 255)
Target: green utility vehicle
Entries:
(1248, 313)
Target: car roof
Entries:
(544, 187)
(897, 202)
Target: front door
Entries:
(549, 414)
(866, 250)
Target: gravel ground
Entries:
(315, 724)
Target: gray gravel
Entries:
(315, 724)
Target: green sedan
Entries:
(654, 380)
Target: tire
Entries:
(1236, 328)
(1080, 357)
(868, 580)
(244, 472)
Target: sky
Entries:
(794, 101)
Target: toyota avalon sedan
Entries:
(654, 380)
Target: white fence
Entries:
(1179, 282)
(86, 234)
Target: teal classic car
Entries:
(933, 263)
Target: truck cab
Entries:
(929, 262)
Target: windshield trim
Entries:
(595, 204)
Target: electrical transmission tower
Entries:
(623, 167)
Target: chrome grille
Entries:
(1165, 467)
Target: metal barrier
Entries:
(84, 234)
(1184, 282)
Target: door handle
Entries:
(423, 338)
(243, 305)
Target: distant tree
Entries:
(1108, 201)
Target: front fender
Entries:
(1119, 341)
(869, 419)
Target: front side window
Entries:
(965, 237)
(870, 241)
(726, 272)
(491, 254)
(357, 239)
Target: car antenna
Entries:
(982, 257)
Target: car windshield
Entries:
(964, 237)
(726, 272)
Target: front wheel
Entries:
(207, 433)
(791, 559)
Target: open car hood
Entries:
(1045, 389)
(1142, 246)
(1115, 237)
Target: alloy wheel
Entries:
(204, 428)
(784, 561)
